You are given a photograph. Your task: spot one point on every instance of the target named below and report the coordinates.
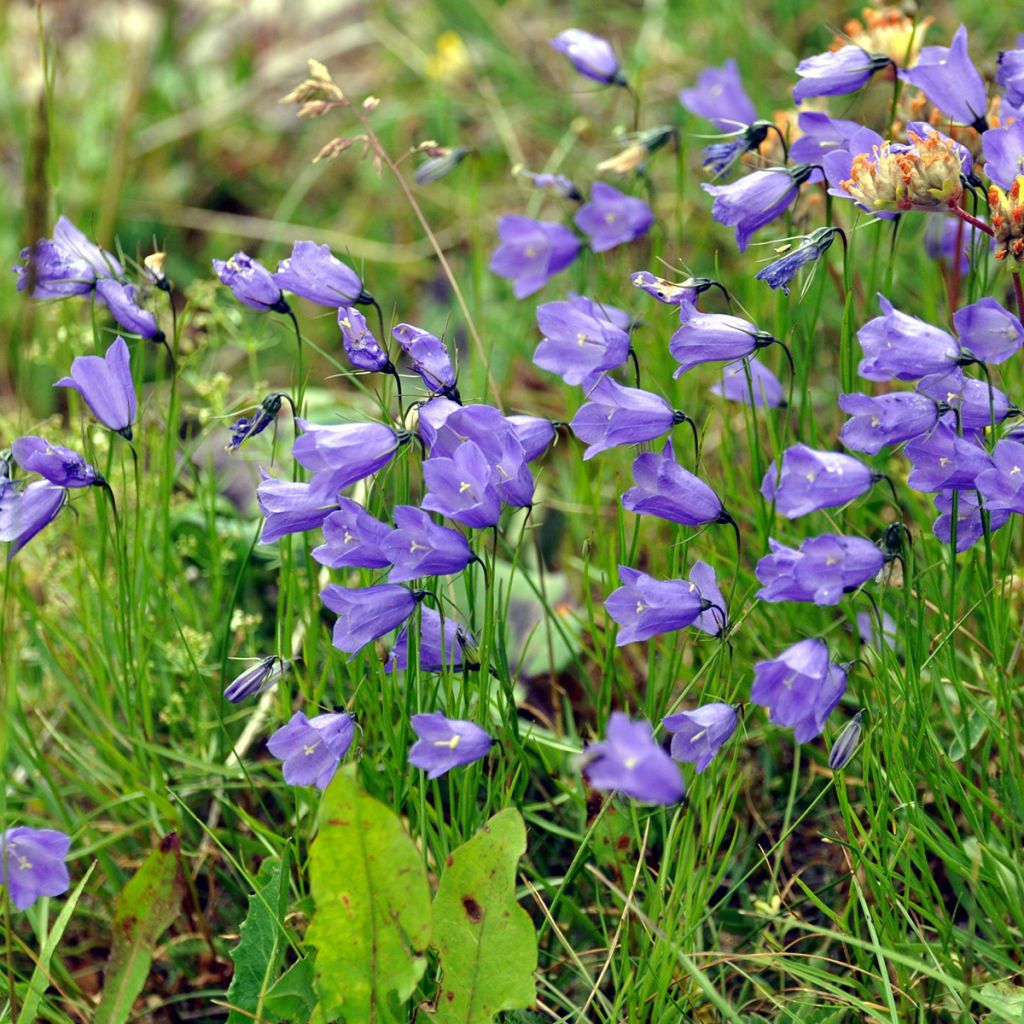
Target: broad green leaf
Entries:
(372, 900)
(486, 941)
(258, 953)
(292, 997)
(142, 913)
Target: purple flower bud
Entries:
(247, 427)
(846, 743)
(970, 397)
(590, 55)
(24, 511)
(1010, 76)
(429, 358)
(629, 760)
(58, 464)
(432, 654)
(258, 679)
(837, 72)
(361, 347)
(105, 383)
(904, 347)
(801, 687)
(612, 218)
(532, 252)
(442, 163)
(951, 81)
(942, 460)
(824, 569)
(713, 337)
(251, 283)
(460, 487)
(312, 748)
(419, 547)
(341, 455)
(368, 612)
(535, 434)
(701, 733)
(665, 489)
(810, 480)
(32, 864)
(559, 184)
(767, 391)
(315, 273)
(887, 419)
(120, 300)
(446, 743)
(718, 157)
(780, 273)
(290, 507)
(59, 274)
(988, 331)
(353, 539)
(969, 524)
(1004, 153)
(712, 620)
(644, 607)
(577, 343)
(719, 97)
(616, 415)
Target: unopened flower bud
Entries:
(846, 745)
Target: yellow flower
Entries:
(451, 60)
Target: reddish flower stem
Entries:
(973, 221)
(1018, 291)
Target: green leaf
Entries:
(258, 953)
(978, 722)
(292, 997)
(486, 941)
(142, 913)
(372, 900)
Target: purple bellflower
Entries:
(446, 743)
(719, 97)
(578, 343)
(1002, 484)
(713, 337)
(970, 526)
(837, 72)
(942, 234)
(69, 239)
(846, 743)
(362, 348)
(673, 293)
(720, 156)
(340, 455)
(120, 300)
(645, 607)
(601, 311)
(612, 218)
(904, 347)
(1004, 154)
(629, 760)
(947, 76)
(781, 272)
(54, 462)
(433, 655)
(1010, 76)
(943, 460)
(429, 357)
(315, 273)
(247, 427)
(887, 419)
(974, 400)
(366, 613)
(353, 539)
(801, 687)
(251, 283)
(460, 487)
(824, 569)
(810, 480)
(431, 416)
(53, 272)
(559, 184)
(32, 864)
(868, 634)
(105, 384)
(24, 511)
(701, 733)
(532, 252)
(764, 387)
(290, 507)
(312, 748)
(715, 618)
(534, 432)
(821, 135)
(590, 55)
(988, 331)
(419, 547)
(257, 679)
(664, 489)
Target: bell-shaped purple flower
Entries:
(419, 547)
(801, 687)
(671, 293)
(534, 432)
(54, 462)
(247, 427)
(72, 241)
(368, 612)
(24, 511)
(948, 77)
(809, 480)
(362, 348)
(590, 55)
(578, 343)
(630, 761)
(120, 300)
(290, 507)
(315, 273)
(558, 184)
(251, 283)
(763, 386)
(837, 72)
(433, 653)
(612, 218)
(615, 415)
(719, 97)
(974, 400)
(431, 416)
(460, 487)
(532, 252)
(970, 526)
(353, 539)
(429, 357)
(713, 337)
(821, 135)
(701, 733)
(904, 347)
(664, 489)
(714, 619)
(644, 607)
(887, 419)
(1004, 154)
(53, 272)
(988, 331)
(1010, 76)
(781, 272)
(32, 864)
(943, 460)
(312, 748)
(1002, 484)
(255, 680)
(105, 384)
(341, 455)
(446, 743)
(823, 569)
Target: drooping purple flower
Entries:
(942, 234)
(713, 337)
(362, 348)
(714, 619)
(120, 300)
(942, 460)
(809, 480)
(446, 743)
(429, 357)
(578, 343)
(756, 199)
(353, 539)
(340, 455)
(532, 252)
(460, 487)
(867, 631)
(1004, 153)
(105, 384)
(72, 241)
(58, 274)
(719, 97)
(559, 184)
(701, 733)
(431, 416)
(247, 427)
(366, 613)
(821, 571)
(32, 864)
(312, 748)
(801, 687)
(534, 432)
(665, 489)
(904, 347)
(601, 311)
(671, 293)
(887, 419)
(645, 607)
(767, 390)
(615, 415)
(433, 655)
(974, 400)
(54, 462)
(24, 511)
(1002, 484)
(251, 283)
(612, 218)
(290, 507)
(970, 526)
(1010, 76)
(590, 55)
(821, 135)
(837, 72)
(419, 547)
(258, 679)
(720, 156)
(630, 761)
(947, 76)
(781, 272)
(988, 331)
